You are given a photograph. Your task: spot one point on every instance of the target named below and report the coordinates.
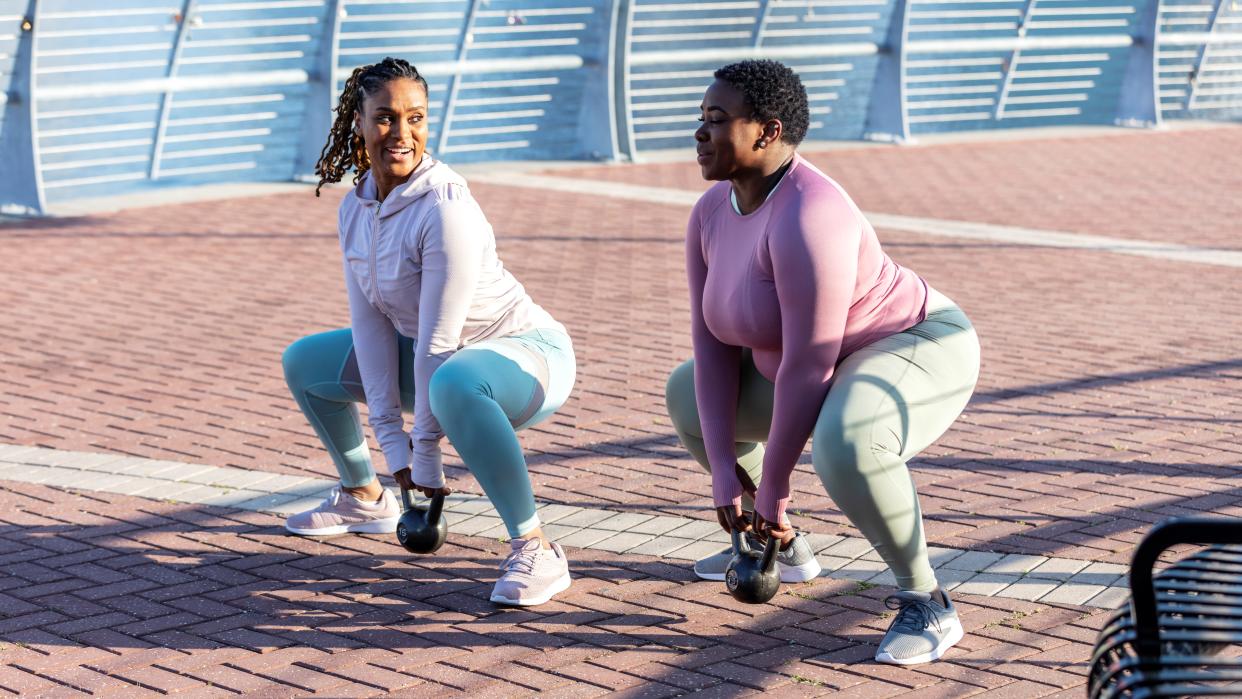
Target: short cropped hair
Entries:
(773, 91)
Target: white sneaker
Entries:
(341, 513)
(532, 574)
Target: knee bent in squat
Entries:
(679, 399)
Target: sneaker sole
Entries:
(789, 574)
(378, 526)
(560, 585)
(955, 634)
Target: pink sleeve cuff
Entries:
(726, 490)
(771, 506)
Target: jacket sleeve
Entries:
(716, 371)
(452, 243)
(814, 256)
(375, 346)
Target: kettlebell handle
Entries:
(740, 544)
(769, 552)
(433, 510)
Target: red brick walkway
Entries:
(1109, 400)
(114, 594)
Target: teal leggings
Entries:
(888, 401)
(481, 396)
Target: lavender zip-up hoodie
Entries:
(423, 263)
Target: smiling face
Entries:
(393, 124)
(726, 139)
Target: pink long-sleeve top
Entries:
(802, 282)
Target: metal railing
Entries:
(100, 98)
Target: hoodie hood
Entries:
(429, 175)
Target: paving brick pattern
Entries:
(1105, 402)
(678, 539)
(1109, 400)
(112, 594)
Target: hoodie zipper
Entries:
(379, 299)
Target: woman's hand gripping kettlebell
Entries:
(421, 530)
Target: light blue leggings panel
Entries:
(481, 396)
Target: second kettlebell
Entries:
(752, 576)
(422, 530)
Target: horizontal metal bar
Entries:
(243, 57)
(209, 152)
(106, 145)
(509, 99)
(490, 65)
(216, 135)
(268, 5)
(135, 12)
(696, 6)
(1037, 113)
(98, 111)
(205, 169)
(100, 179)
(527, 28)
(648, 58)
(77, 164)
(1020, 43)
(524, 43)
(693, 36)
(390, 50)
(503, 145)
(486, 116)
(527, 82)
(1198, 38)
(175, 84)
(538, 12)
(969, 116)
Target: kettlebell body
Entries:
(422, 530)
(752, 576)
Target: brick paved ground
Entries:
(108, 593)
(1160, 186)
(1109, 400)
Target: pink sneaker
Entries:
(532, 574)
(342, 512)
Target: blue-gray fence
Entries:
(106, 96)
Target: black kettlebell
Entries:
(751, 576)
(422, 530)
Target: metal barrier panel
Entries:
(168, 92)
(106, 97)
(20, 192)
(674, 47)
(1200, 59)
(507, 78)
(976, 64)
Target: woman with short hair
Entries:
(804, 328)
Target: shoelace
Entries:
(914, 615)
(333, 497)
(521, 561)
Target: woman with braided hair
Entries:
(438, 327)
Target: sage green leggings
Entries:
(888, 401)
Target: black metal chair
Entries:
(1168, 641)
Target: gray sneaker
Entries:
(796, 563)
(922, 630)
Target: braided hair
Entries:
(345, 148)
